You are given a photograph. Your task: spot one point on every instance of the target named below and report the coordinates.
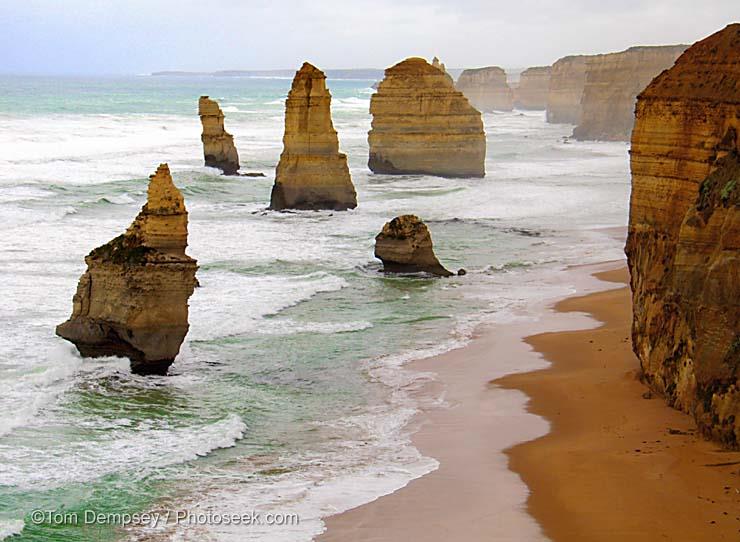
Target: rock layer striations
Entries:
(405, 246)
(613, 82)
(218, 144)
(567, 79)
(487, 89)
(534, 85)
(422, 125)
(683, 245)
(133, 299)
(312, 173)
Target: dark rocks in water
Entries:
(405, 246)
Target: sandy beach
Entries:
(617, 464)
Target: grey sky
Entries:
(140, 36)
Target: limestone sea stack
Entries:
(487, 89)
(422, 125)
(534, 84)
(218, 144)
(613, 82)
(133, 299)
(441, 66)
(312, 174)
(567, 79)
(405, 246)
(683, 245)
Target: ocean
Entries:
(289, 396)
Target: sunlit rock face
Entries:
(218, 145)
(683, 245)
(486, 89)
(405, 246)
(422, 125)
(132, 301)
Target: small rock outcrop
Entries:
(534, 85)
(567, 79)
(422, 125)
(405, 246)
(683, 244)
(441, 66)
(613, 82)
(218, 144)
(487, 89)
(312, 174)
(133, 299)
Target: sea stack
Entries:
(422, 125)
(218, 144)
(487, 89)
(534, 84)
(567, 79)
(312, 174)
(133, 299)
(441, 66)
(613, 82)
(405, 246)
(683, 245)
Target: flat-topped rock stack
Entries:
(487, 89)
(405, 246)
(423, 125)
(533, 88)
(567, 80)
(218, 145)
(312, 174)
(683, 245)
(133, 299)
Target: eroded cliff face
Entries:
(312, 174)
(133, 299)
(422, 125)
(613, 82)
(405, 246)
(486, 89)
(567, 80)
(683, 245)
(533, 88)
(218, 145)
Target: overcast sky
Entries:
(140, 36)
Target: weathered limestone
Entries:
(133, 299)
(422, 125)
(567, 79)
(312, 173)
(405, 246)
(218, 144)
(612, 84)
(534, 85)
(487, 89)
(683, 245)
(441, 66)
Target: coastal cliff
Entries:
(133, 299)
(683, 244)
(422, 125)
(486, 89)
(534, 85)
(567, 80)
(218, 145)
(405, 246)
(312, 173)
(613, 82)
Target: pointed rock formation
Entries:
(422, 125)
(312, 173)
(441, 66)
(133, 299)
(534, 84)
(567, 79)
(218, 144)
(405, 246)
(613, 82)
(683, 246)
(487, 89)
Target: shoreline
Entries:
(490, 436)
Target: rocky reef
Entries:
(486, 88)
(422, 125)
(133, 299)
(683, 245)
(312, 174)
(567, 79)
(218, 144)
(533, 88)
(613, 82)
(405, 246)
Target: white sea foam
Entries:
(8, 528)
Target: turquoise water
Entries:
(290, 393)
